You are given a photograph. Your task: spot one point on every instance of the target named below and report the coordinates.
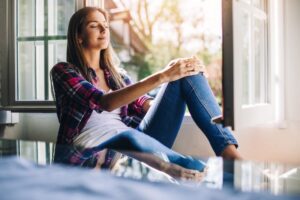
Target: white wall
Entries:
(265, 142)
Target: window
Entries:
(36, 32)
(41, 42)
(148, 34)
(249, 67)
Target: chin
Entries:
(100, 47)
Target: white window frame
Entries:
(258, 114)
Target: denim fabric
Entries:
(164, 118)
(158, 130)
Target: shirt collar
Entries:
(93, 74)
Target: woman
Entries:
(99, 108)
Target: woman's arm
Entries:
(67, 80)
(130, 93)
(175, 70)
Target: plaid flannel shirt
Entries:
(76, 98)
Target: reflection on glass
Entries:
(248, 176)
(214, 177)
(271, 177)
(38, 152)
(132, 168)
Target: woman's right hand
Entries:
(182, 67)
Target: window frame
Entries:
(8, 63)
(236, 115)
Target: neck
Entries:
(93, 58)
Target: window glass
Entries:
(260, 4)
(253, 44)
(260, 62)
(59, 13)
(163, 30)
(41, 42)
(245, 30)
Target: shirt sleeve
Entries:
(67, 80)
(136, 107)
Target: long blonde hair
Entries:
(74, 50)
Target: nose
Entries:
(101, 28)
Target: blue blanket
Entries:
(20, 179)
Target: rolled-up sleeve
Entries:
(66, 79)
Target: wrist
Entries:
(162, 78)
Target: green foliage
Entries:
(140, 65)
(161, 52)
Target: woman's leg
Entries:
(164, 117)
(204, 108)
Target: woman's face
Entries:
(95, 33)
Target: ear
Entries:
(79, 40)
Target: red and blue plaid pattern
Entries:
(76, 98)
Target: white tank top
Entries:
(101, 127)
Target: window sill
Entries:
(33, 109)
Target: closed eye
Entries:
(98, 25)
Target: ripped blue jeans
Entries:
(159, 128)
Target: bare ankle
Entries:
(231, 153)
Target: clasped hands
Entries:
(182, 67)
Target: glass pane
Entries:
(57, 53)
(26, 18)
(33, 81)
(93, 3)
(40, 71)
(260, 62)
(261, 4)
(246, 1)
(26, 70)
(245, 53)
(40, 13)
(59, 14)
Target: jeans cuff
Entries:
(224, 145)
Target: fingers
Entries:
(192, 65)
(182, 67)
